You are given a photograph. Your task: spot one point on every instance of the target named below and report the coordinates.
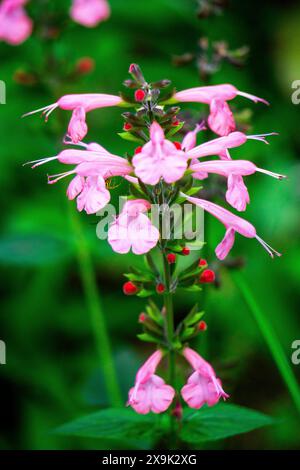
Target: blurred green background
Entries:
(53, 372)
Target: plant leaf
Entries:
(220, 421)
(112, 423)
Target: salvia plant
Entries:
(162, 172)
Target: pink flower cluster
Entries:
(158, 160)
(16, 26)
(150, 392)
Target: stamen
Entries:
(40, 162)
(267, 247)
(59, 176)
(68, 141)
(254, 98)
(261, 137)
(47, 110)
(271, 173)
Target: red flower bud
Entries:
(138, 150)
(202, 262)
(142, 317)
(85, 65)
(175, 123)
(185, 251)
(202, 326)
(129, 288)
(139, 95)
(160, 288)
(177, 145)
(171, 258)
(132, 68)
(207, 276)
(127, 126)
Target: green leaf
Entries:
(194, 190)
(139, 277)
(220, 421)
(112, 423)
(130, 137)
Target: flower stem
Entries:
(96, 312)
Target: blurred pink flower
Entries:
(90, 13)
(202, 386)
(150, 393)
(159, 158)
(233, 224)
(220, 120)
(79, 104)
(15, 25)
(132, 229)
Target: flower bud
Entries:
(129, 288)
(127, 126)
(139, 95)
(177, 145)
(138, 150)
(160, 288)
(136, 72)
(202, 326)
(142, 317)
(85, 65)
(185, 251)
(202, 262)
(207, 276)
(171, 258)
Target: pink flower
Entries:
(15, 25)
(220, 145)
(93, 166)
(77, 129)
(133, 230)
(150, 393)
(90, 13)
(79, 104)
(221, 119)
(190, 139)
(233, 224)
(237, 193)
(206, 94)
(158, 159)
(202, 386)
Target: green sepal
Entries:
(193, 316)
(145, 293)
(154, 312)
(148, 338)
(174, 130)
(129, 136)
(136, 191)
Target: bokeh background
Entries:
(50, 257)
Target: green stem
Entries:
(270, 338)
(95, 308)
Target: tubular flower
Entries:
(15, 25)
(93, 166)
(233, 170)
(132, 229)
(79, 104)
(158, 159)
(203, 387)
(89, 13)
(220, 120)
(150, 393)
(233, 224)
